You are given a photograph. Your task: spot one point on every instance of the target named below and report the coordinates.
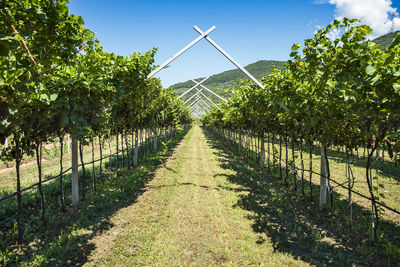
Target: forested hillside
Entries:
(229, 79)
(385, 40)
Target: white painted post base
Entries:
(68, 143)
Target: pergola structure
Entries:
(198, 106)
(200, 99)
(197, 103)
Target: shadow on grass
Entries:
(65, 240)
(219, 187)
(295, 225)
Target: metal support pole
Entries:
(75, 178)
(208, 99)
(193, 87)
(228, 57)
(200, 107)
(205, 109)
(199, 94)
(199, 98)
(205, 103)
(197, 84)
(194, 102)
(199, 91)
(195, 41)
(195, 94)
(198, 113)
(193, 106)
(200, 101)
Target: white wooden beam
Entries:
(205, 103)
(190, 98)
(205, 109)
(194, 102)
(195, 41)
(199, 106)
(209, 99)
(193, 87)
(195, 106)
(231, 59)
(197, 84)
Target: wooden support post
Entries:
(322, 183)
(75, 178)
(240, 141)
(155, 139)
(135, 156)
(262, 156)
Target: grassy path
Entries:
(188, 215)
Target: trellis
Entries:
(199, 106)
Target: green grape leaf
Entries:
(53, 97)
(389, 59)
(370, 69)
(396, 87)
(3, 49)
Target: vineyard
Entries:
(102, 165)
(338, 95)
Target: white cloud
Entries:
(334, 33)
(312, 22)
(378, 14)
(320, 2)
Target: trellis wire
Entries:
(57, 176)
(339, 184)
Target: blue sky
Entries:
(248, 30)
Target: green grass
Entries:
(189, 215)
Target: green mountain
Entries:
(385, 40)
(229, 79)
(224, 82)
